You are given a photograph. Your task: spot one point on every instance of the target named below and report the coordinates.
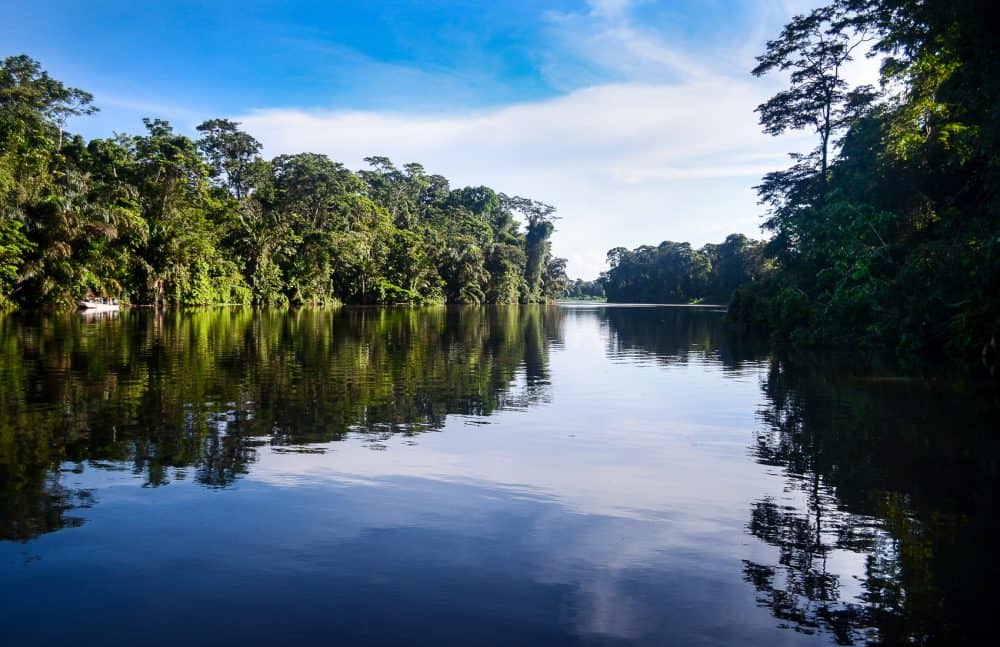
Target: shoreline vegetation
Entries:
(678, 274)
(165, 220)
(885, 236)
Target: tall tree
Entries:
(231, 154)
(539, 227)
(813, 49)
(184, 262)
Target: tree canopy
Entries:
(677, 273)
(160, 218)
(894, 241)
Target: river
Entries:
(535, 475)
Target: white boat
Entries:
(98, 306)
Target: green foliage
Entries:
(675, 273)
(162, 219)
(554, 279)
(813, 49)
(581, 289)
(13, 246)
(894, 244)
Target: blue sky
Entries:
(634, 118)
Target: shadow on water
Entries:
(195, 394)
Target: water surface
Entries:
(549, 475)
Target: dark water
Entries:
(480, 476)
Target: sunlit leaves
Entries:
(159, 218)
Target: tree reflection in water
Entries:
(899, 472)
(879, 528)
(194, 394)
(675, 335)
(898, 475)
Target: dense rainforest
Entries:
(160, 218)
(887, 233)
(677, 273)
(585, 290)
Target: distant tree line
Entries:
(676, 273)
(582, 289)
(159, 218)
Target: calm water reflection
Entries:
(544, 474)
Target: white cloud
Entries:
(624, 163)
(671, 154)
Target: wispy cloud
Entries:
(149, 106)
(625, 163)
(670, 151)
